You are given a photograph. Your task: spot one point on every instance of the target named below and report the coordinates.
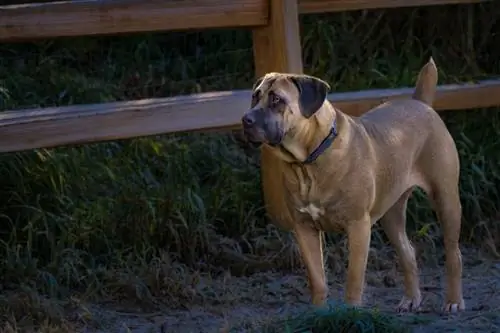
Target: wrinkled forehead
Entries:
(278, 84)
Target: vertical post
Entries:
(277, 48)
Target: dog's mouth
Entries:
(254, 136)
(243, 141)
(257, 136)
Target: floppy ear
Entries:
(312, 93)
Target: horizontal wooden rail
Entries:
(483, 94)
(50, 127)
(325, 6)
(104, 17)
(98, 17)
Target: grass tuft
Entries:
(336, 318)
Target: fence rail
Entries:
(104, 17)
(51, 127)
(326, 6)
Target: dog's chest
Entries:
(314, 211)
(311, 199)
(328, 216)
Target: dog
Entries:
(327, 171)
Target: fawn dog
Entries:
(319, 155)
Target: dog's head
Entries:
(281, 104)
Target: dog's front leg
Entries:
(310, 244)
(358, 236)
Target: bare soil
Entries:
(243, 303)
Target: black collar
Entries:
(324, 145)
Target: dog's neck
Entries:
(302, 145)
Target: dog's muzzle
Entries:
(259, 127)
(252, 127)
(248, 120)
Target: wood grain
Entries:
(58, 126)
(325, 6)
(102, 17)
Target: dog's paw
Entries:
(452, 307)
(409, 304)
(319, 299)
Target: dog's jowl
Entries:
(346, 173)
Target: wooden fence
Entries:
(276, 46)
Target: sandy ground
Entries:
(245, 302)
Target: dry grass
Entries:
(143, 222)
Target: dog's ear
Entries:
(312, 93)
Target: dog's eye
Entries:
(275, 99)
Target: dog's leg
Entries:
(273, 188)
(358, 237)
(311, 249)
(449, 211)
(394, 225)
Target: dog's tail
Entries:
(425, 89)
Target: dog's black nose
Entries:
(248, 119)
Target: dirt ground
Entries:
(246, 302)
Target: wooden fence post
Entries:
(277, 48)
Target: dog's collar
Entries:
(324, 145)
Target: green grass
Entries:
(136, 218)
(338, 319)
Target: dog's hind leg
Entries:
(446, 202)
(394, 225)
(441, 170)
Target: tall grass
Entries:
(134, 216)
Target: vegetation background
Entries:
(144, 218)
